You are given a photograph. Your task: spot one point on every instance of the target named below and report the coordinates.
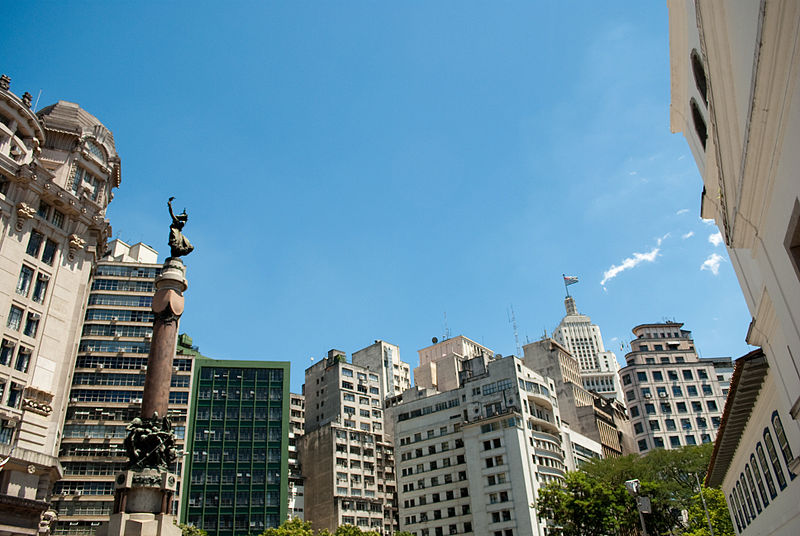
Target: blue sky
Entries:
(353, 171)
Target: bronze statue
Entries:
(179, 245)
(151, 444)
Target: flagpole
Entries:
(566, 287)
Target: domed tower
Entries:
(58, 168)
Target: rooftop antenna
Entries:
(513, 320)
(446, 327)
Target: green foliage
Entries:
(352, 530)
(581, 506)
(191, 530)
(291, 527)
(403, 533)
(598, 503)
(717, 510)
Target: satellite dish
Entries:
(434, 340)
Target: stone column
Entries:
(168, 308)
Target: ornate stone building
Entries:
(58, 168)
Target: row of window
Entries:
(120, 315)
(122, 285)
(47, 254)
(116, 270)
(27, 281)
(126, 363)
(114, 347)
(120, 300)
(274, 394)
(680, 407)
(249, 521)
(677, 391)
(125, 397)
(248, 374)
(686, 424)
(672, 375)
(674, 441)
(15, 321)
(231, 476)
(7, 355)
(136, 380)
(114, 330)
(744, 498)
(238, 434)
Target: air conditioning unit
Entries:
(648, 395)
(662, 395)
(144, 367)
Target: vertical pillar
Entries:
(168, 308)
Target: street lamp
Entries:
(642, 503)
(705, 508)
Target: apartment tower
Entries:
(347, 456)
(237, 477)
(57, 170)
(107, 384)
(297, 419)
(673, 396)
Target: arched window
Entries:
(762, 458)
(759, 480)
(734, 509)
(749, 475)
(699, 123)
(699, 75)
(747, 498)
(773, 457)
(783, 443)
(743, 510)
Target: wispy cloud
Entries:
(712, 263)
(632, 262)
(682, 211)
(688, 235)
(715, 239)
(707, 222)
(632, 173)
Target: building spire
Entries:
(569, 305)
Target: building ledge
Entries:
(748, 376)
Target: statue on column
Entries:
(178, 243)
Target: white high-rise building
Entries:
(384, 358)
(599, 367)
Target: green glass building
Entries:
(237, 447)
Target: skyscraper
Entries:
(237, 478)
(57, 170)
(347, 455)
(673, 396)
(599, 368)
(107, 384)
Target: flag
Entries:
(4, 462)
(570, 280)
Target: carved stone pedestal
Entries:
(142, 505)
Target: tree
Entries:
(291, 527)
(191, 530)
(581, 506)
(717, 510)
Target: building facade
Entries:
(297, 419)
(735, 97)
(346, 455)
(237, 477)
(471, 460)
(603, 420)
(107, 384)
(673, 396)
(598, 367)
(440, 364)
(384, 358)
(57, 170)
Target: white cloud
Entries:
(632, 173)
(688, 235)
(632, 262)
(682, 211)
(712, 263)
(715, 239)
(707, 222)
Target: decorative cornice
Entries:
(25, 212)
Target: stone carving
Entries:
(37, 407)
(5, 82)
(47, 522)
(179, 245)
(27, 99)
(76, 242)
(24, 212)
(151, 444)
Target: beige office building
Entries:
(106, 388)
(346, 455)
(603, 420)
(297, 419)
(384, 358)
(471, 459)
(440, 365)
(736, 98)
(57, 170)
(673, 396)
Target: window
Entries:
(630, 395)
(654, 425)
(32, 324)
(40, 288)
(773, 457)
(650, 409)
(681, 407)
(657, 376)
(765, 470)
(677, 391)
(702, 374)
(347, 372)
(674, 441)
(49, 254)
(691, 390)
(642, 445)
(24, 281)
(23, 359)
(697, 407)
(14, 318)
(783, 444)
(712, 405)
(34, 244)
(658, 442)
(699, 123)
(626, 379)
(699, 75)
(701, 423)
(666, 407)
(634, 411)
(672, 375)
(670, 424)
(686, 424)
(641, 376)
(6, 351)
(638, 428)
